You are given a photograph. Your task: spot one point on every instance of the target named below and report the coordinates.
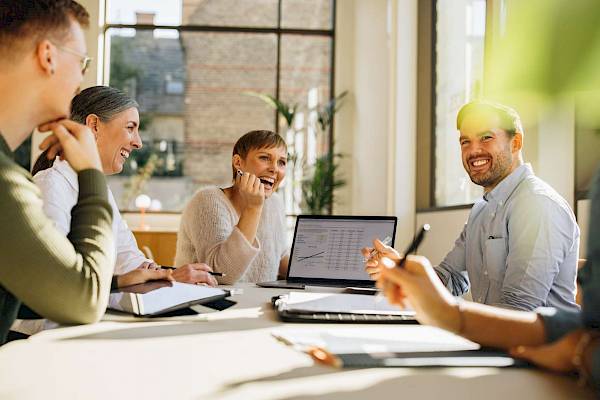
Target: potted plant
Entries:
(321, 180)
(314, 182)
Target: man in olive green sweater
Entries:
(42, 61)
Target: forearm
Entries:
(231, 257)
(248, 223)
(35, 253)
(501, 328)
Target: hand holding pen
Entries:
(373, 255)
(197, 273)
(250, 188)
(390, 263)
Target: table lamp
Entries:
(143, 202)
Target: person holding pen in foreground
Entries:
(239, 230)
(42, 62)
(559, 340)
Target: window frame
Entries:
(279, 31)
(426, 134)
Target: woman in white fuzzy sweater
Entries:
(240, 231)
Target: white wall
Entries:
(402, 182)
(362, 128)
(376, 61)
(556, 148)
(344, 119)
(446, 225)
(93, 37)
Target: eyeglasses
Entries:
(85, 60)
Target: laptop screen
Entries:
(328, 247)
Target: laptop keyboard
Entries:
(346, 318)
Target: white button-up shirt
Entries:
(519, 248)
(60, 189)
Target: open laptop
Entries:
(326, 250)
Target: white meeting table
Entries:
(231, 354)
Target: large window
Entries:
(194, 67)
(459, 51)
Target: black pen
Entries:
(210, 272)
(415, 244)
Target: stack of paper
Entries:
(376, 340)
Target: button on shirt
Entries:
(519, 248)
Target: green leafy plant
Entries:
(326, 112)
(288, 112)
(320, 180)
(318, 188)
(136, 183)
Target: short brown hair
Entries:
(25, 22)
(260, 139)
(510, 121)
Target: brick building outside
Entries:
(193, 88)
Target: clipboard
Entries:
(324, 307)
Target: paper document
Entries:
(376, 340)
(340, 303)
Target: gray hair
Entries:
(104, 101)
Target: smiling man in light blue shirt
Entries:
(520, 245)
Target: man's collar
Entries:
(504, 189)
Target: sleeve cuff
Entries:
(92, 183)
(558, 323)
(239, 238)
(114, 283)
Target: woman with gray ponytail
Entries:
(99, 107)
(113, 118)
